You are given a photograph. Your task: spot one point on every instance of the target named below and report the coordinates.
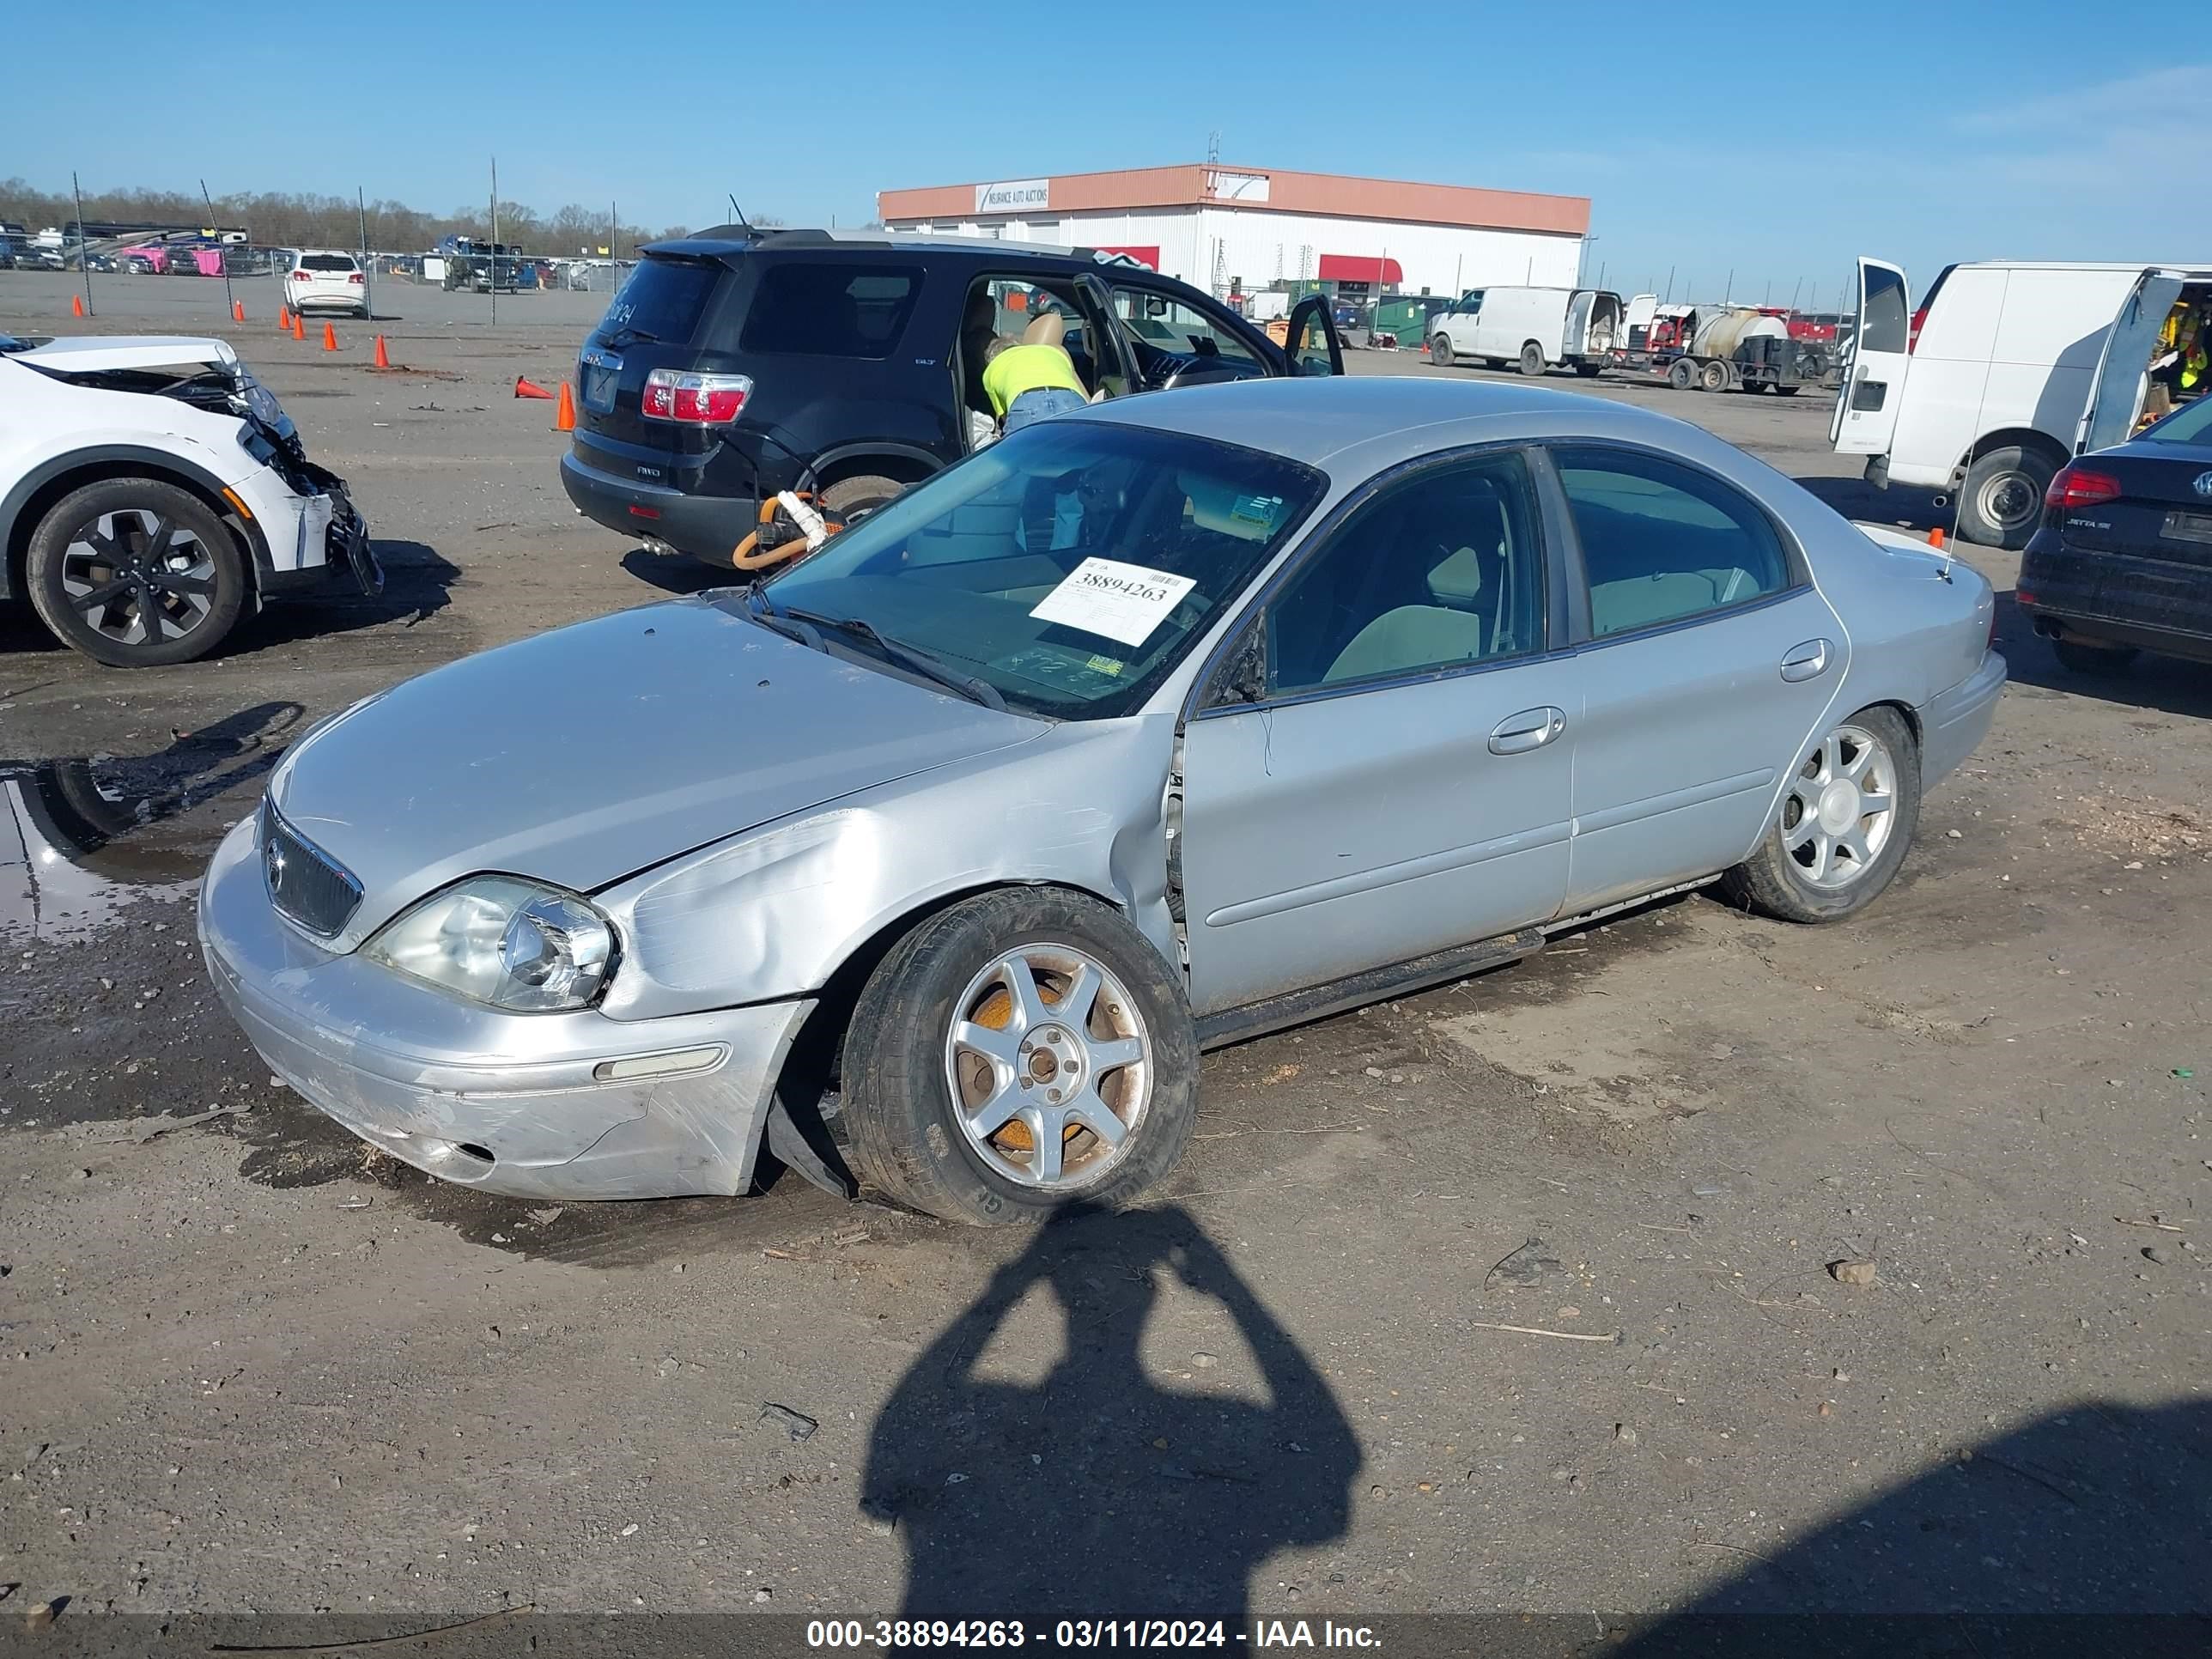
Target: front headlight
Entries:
(501, 940)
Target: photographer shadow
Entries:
(1096, 1493)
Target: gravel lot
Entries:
(246, 1368)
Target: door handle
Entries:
(1807, 661)
(1532, 728)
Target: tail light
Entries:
(358, 277)
(2077, 486)
(1912, 332)
(696, 399)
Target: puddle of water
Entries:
(82, 838)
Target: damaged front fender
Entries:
(775, 913)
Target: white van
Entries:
(2005, 371)
(1537, 328)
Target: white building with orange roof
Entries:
(1223, 227)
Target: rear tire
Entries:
(135, 573)
(2077, 657)
(1714, 376)
(1682, 375)
(1802, 871)
(852, 499)
(1532, 359)
(924, 1069)
(1440, 351)
(2001, 502)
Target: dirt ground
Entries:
(247, 1367)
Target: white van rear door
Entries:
(1874, 384)
(2116, 396)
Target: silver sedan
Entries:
(933, 863)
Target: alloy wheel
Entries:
(1841, 809)
(1050, 1066)
(137, 577)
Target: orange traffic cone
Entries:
(564, 418)
(77, 305)
(238, 311)
(1936, 537)
(299, 326)
(383, 361)
(529, 389)
(283, 319)
(330, 337)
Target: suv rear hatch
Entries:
(673, 303)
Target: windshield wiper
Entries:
(906, 656)
(626, 336)
(762, 610)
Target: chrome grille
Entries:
(306, 883)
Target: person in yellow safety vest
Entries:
(1031, 377)
(2192, 344)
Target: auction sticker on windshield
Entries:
(1115, 601)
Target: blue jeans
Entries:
(1037, 405)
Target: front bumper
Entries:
(508, 1103)
(1953, 723)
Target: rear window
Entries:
(326, 262)
(1883, 308)
(831, 310)
(663, 299)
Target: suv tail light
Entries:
(358, 277)
(2077, 486)
(697, 399)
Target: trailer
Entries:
(1723, 348)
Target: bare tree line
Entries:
(300, 219)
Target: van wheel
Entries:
(1714, 376)
(1681, 374)
(135, 573)
(1440, 351)
(2002, 496)
(1532, 359)
(1025, 1050)
(852, 499)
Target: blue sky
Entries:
(1776, 145)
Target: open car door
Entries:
(1311, 347)
(1110, 357)
(1872, 386)
(2116, 396)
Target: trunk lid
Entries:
(2160, 513)
(670, 314)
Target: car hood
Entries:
(92, 353)
(585, 755)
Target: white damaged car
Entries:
(152, 492)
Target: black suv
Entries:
(737, 363)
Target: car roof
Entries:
(725, 240)
(1385, 418)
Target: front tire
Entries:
(1440, 351)
(1023, 1051)
(1843, 826)
(2001, 502)
(135, 573)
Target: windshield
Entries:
(2191, 423)
(1067, 566)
